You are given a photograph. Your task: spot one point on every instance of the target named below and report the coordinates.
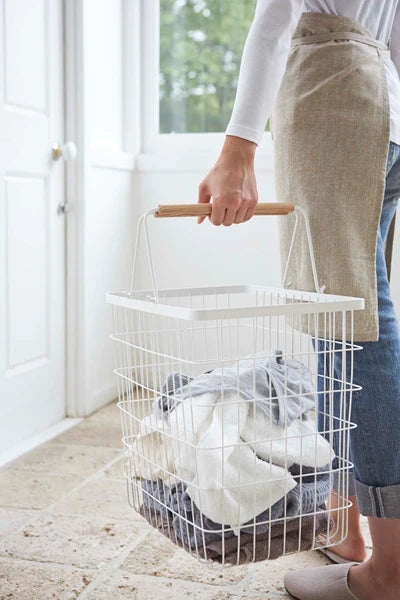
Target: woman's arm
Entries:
(231, 183)
(262, 67)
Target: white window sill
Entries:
(196, 152)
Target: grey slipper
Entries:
(321, 583)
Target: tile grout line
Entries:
(244, 581)
(113, 565)
(54, 444)
(104, 517)
(114, 568)
(48, 509)
(36, 561)
(37, 440)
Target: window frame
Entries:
(152, 141)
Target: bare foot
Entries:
(366, 583)
(352, 548)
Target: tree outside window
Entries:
(201, 43)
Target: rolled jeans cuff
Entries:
(338, 483)
(382, 502)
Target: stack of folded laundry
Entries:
(231, 465)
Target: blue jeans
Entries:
(375, 443)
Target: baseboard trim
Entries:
(102, 396)
(37, 439)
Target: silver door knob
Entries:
(67, 151)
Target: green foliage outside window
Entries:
(201, 43)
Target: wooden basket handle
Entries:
(201, 210)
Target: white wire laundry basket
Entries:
(235, 410)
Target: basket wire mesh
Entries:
(235, 414)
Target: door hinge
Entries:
(63, 209)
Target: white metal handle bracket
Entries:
(143, 224)
(300, 211)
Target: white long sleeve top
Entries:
(267, 47)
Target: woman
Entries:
(324, 71)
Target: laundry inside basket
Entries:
(241, 470)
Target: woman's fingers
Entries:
(230, 216)
(251, 206)
(226, 211)
(217, 212)
(231, 184)
(243, 213)
(240, 214)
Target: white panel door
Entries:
(32, 233)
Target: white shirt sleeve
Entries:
(262, 66)
(395, 39)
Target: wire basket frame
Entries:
(235, 416)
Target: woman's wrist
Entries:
(244, 149)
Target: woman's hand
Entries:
(231, 183)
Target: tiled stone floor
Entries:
(68, 532)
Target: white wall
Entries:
(102, 221)
(188, 254)
(110, 200)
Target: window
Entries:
(190, 59)
(201, 43)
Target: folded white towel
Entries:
(226, 479)
(231, 456)
(299, 443)
(152, 452)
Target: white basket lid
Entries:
(226, 302)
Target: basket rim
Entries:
(308, 302)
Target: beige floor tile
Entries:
(22, 489)
(12, 518)
(117, 470)
(25, 580)
(124, 586)
(110, 410)
(93, 525)
(103, 497)
(267, 576)
(101, 429)
(57, 458)
(158, 556)
(74, 540)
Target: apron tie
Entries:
(339, 35)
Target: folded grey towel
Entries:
(282, 389)
(295, 535)
(173, 385)
(157, 496)
(194, 529)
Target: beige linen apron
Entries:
(331, 126)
